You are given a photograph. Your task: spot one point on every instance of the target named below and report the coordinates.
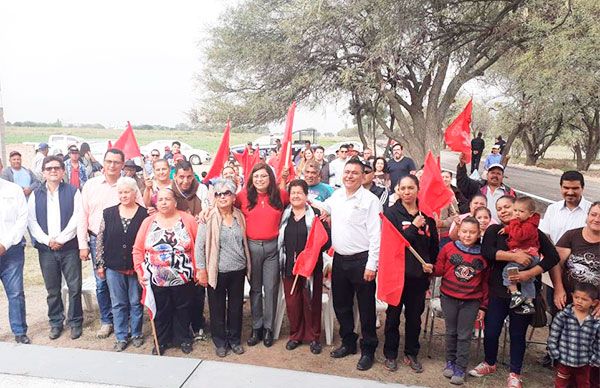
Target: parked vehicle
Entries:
(193, 155)
(59, 144)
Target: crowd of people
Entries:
(156, 228)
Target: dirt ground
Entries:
(276, 356)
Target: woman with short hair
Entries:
(165, 263)
(114, 261)
(223, 261)
(160, 180)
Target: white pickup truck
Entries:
(59, 144)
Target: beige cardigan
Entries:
(213, 231)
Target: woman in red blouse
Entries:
(262, 203)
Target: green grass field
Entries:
(208, 141)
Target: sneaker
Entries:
(391, 364)
(516, 300)
(448, 370)
(137, 341)
(483, 369)
(526, 308)
(514, 381)
(412, 361)
(120, 346)
(458, 378)
(199, 335)
(105, 330)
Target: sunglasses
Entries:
(223, 194)
(155, 154)
(52, 168)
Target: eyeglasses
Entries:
(223, 194)
(157, 155)
(52, 168)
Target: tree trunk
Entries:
(361, 130)
(512, 136)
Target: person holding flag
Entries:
(164, 260)
(356, 239)
(421, 233)
(302, 240)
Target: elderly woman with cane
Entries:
(164, 260)
(114, 261)
(223, 261)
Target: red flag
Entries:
(128, 144)
(307, 259)
(247, 161)
(285, 160)
(392, 256)
(221, 157)
(434, 195)
(458, 133)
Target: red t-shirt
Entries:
(262, 222)
(74, 178)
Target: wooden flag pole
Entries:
(294, 285)
(417, 256)
(155, 337)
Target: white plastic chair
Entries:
(88, 293)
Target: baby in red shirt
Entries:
(523, 236)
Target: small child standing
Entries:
(464, 292)
(523, 236)
(574, 340)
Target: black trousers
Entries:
(226, 308)
(172, 318)
(197, 308)
(413, 300)
(346, 281)
(475, 159)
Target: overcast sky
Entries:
(110, 61)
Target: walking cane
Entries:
(155, 337)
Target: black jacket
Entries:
(424, 240)
(118, 244)
(494, 242)
(477, 144)
(469, 187)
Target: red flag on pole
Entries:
(458, 133)
(434, 195)
(221, 156)
(128, 144)
(285, 160)
(392, 256)
(307, 259)
(109, 145)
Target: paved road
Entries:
(542, 184)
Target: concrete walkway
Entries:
(35, 366)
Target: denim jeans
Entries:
(126, 306)
(11, 275)
(55, 265)
(497, 311)
(102, 293)
(527, 287)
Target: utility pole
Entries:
(2, 137)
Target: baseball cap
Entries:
(42, 146)
(13, 153)
(496, 165)
(496, 146)
(73, 148)
(367, 167)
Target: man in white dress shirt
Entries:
(54, 210)
(571, 212)
(356, 236)
(336, 167)
(13, 223)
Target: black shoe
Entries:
(257, 336)
(221, 352)
(391, 364)
(365, 362)
(315, 347)
(291, 344)
(516, 300)
(526, 308)
(186, 347)
(414, 364)
(75, 332)
(268, 340)
(237, 349)
(342, 351)
(22, 339)
(55, 332)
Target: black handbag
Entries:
(539, 318)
